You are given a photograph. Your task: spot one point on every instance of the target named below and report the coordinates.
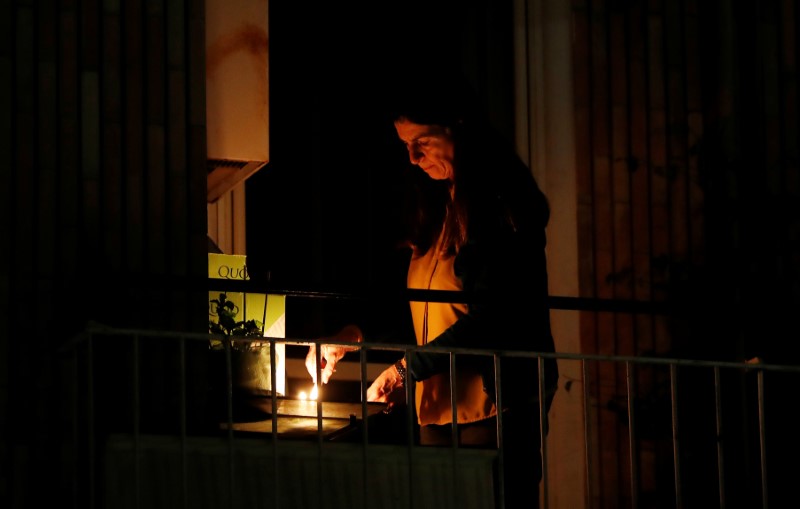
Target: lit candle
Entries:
(312, 396)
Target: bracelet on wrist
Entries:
(401, 370)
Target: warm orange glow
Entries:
(312, 396)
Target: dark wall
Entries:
(688, 192)
(335, 160)
(103, 163)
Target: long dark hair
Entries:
(490, 181)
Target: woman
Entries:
(476, 225)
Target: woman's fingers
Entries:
(329, 356)
(311, 363)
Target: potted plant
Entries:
(250, 367)
(225, 323)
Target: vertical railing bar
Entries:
(673, 375)
(543, 425)
(634, 463)
(362, 356)
(273, 381)
(498, 392)
(320, 484)
(762, 440)
(137, 443)
(274, 416)
(229, 394)
(720, 452)
(586, 433)
(75, 416)
(183, 423)
(90, 416)
(453, 430)
(410, 415)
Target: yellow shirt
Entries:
(431, 271)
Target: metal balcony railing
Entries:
(152, 424)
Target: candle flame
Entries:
(312, 396)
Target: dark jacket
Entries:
(503, 271)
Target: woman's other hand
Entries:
(387, 388)
(331, 354)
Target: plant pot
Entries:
(251, 371)
(250, 379)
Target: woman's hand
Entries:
(331, 354)
(387, 388)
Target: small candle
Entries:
(313, 396)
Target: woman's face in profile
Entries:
(429, 146)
